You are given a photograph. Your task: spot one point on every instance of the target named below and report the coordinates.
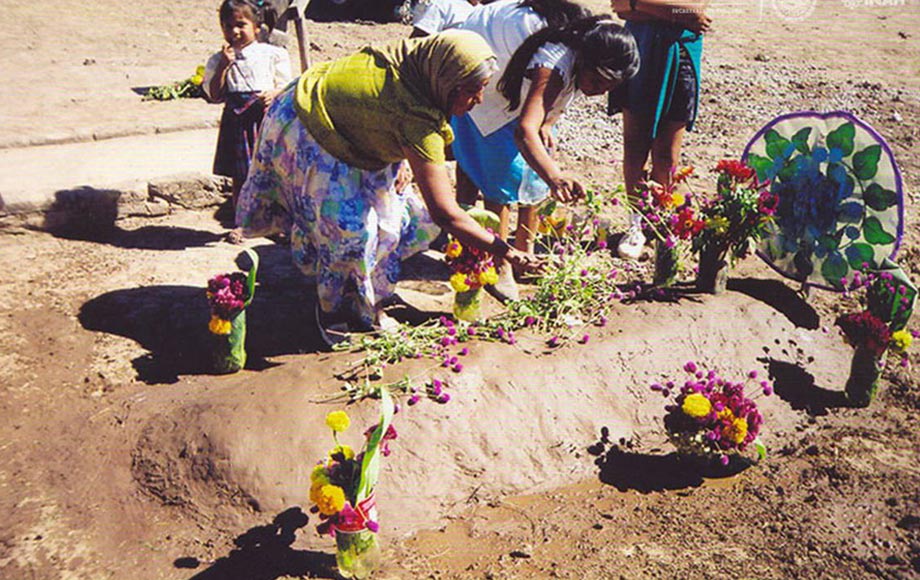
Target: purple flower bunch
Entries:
(227, 294)
(711, 415)
(433, 390)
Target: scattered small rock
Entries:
(897, 118)
(89, 61)
(598, 526)
(521, 553)
(909, 522)
(761, 57)
(894, 560)
(903, 35)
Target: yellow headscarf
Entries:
(434, 65)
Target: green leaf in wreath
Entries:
(865, 162)
(834, 268)
(800, 140)
(875, 234)
(879, 198)
(859, 254)
(830, 242)
(761, 449)
(761, 165)
(776, 144)
(842, 138)
(803, 265)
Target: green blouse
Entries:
(358, 109)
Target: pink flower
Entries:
(457, 368)
(464, 351)
(585, 339)
(443, 398)
(690, 367)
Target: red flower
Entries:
(866, 330)
(767, 203)
(686, 225)
(737, 170)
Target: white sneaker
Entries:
(632, 242)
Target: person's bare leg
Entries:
(666, 150)
(235, 235)
(526, 226)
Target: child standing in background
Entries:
(660, 103)
(433, 16)
(245, 75)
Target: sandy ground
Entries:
(122, 458)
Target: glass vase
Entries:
(712, 274)
(666, 263)
(862, 383)
(228, 351)
(357, 554)
(468, 305)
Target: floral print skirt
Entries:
(349, 227)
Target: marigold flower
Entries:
(696, 405)
(330, 499)
(196, 79)
(219, 325)
(346, 451)
(488, 277)
(458, 282)
(453, 250)
(338, 421)
(901, 340)
(736, 431)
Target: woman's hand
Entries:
(267, 97)
(524, 263)
(693, 20)
(404, 176)
(546, 136)
(566, 189)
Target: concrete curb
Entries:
(91, 208)
(88, 135)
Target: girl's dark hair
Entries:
(228, 7)
(600, 44)
(557, 12)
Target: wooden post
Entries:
(303, 40)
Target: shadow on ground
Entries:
(796, 386)
(265, 553)
(645, 472)
(171, 322)
(780, 297)
(89, 214)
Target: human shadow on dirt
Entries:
(265, 553)
(780, 297)
(796, 386)
(171, 322)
